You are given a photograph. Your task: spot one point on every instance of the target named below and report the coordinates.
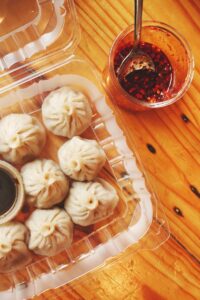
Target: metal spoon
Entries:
(136, 59)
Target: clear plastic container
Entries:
(138, 219)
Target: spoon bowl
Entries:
(135, 61)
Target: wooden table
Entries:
(172, 271)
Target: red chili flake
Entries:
(147, 85)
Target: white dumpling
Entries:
(51, 231)
(66, 112)
(89, 202)
(81, 159)
(22, 137)
(14, 252)
(44, 182)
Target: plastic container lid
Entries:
(30, 40)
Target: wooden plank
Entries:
(173, 170)
(172, 271)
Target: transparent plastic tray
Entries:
(136, 214)
(138, 219)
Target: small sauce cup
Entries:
(174, 46)
(11, 192)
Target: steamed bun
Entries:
(44, 182)
(51, 231)
(14, 253)
(89, 202)
(22, 137)
(81, 159)
(66, 112)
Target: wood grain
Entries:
(172, 271)
(177, 142)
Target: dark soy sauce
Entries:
(7, 191)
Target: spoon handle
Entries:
(138, 22)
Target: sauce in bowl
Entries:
(11, 192)
(147, 85)
(7, 191)
(143, 90)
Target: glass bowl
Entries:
(174, 46)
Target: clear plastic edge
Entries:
(149, 232)
(41, 43)
(23, 27)
(9, 63)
